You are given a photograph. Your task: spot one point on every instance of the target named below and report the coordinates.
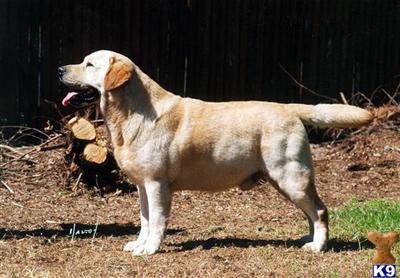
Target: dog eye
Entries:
(89, 64)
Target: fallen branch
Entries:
(53, 147)
(23, 159)
(10, 149)
(392, 100)
(28, 177)
(18, 205)
(36, 149)
(369, 100)
(343, 98)
(306, 88)
(6, 186)
(24, 131)
(75, 187)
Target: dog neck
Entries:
(131, 108)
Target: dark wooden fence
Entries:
(208, 49)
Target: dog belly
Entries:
(212, 177)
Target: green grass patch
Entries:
(356, 219)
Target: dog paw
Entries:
(149, 248)
(314, 247)
(131, 246)
(139, 251)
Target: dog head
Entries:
(100, 72)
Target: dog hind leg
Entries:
(289, 167)
(303, 194)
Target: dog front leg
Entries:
(139, 243)
(159, 202)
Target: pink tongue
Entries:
(67, 98)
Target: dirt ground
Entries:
(229, 234)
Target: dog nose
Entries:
(61, 71)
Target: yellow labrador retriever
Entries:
(165, 142)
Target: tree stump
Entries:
(82, 129)
(90, 157)
(94, 150)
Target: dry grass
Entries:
(231, 234)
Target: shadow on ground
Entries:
(334, 245)
(77, 230)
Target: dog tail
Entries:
(331, 115)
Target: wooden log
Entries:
(94, 153)
(82, 129)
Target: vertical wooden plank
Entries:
(44, 53)
(144, 42)
(98, 21)
(154, 13)
(284, 51)
(387, 33)
(213, 55)
(35, 49)
(183, 46)
(324, 63)
(281, 49)
(204, 50)
(242, 50)
(267, 49)
(58, 14)
(274, 49)
(14, 67)
(26, 104)
(395, 35)
(56, 91)
(77, 30)
(9, 96)
(177, 42)
(347, 60)
(299, 47)
(222, 48)
(367, 39)
(383, 37)
(118, 26)
(231, 84)
(193, 53)
(207, 44)
(135, 31)
(85, 35)
(355, 45)
(171, 43)
(254, 71)
(337, 46)
(291, 40)
(271, 69)
(103, 23)
(363, 46)
(315, 48)
(66, 32)
(5, 114)
(162, 40)
(126, 24)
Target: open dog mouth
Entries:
(81, 97)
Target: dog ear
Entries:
(118, 73)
